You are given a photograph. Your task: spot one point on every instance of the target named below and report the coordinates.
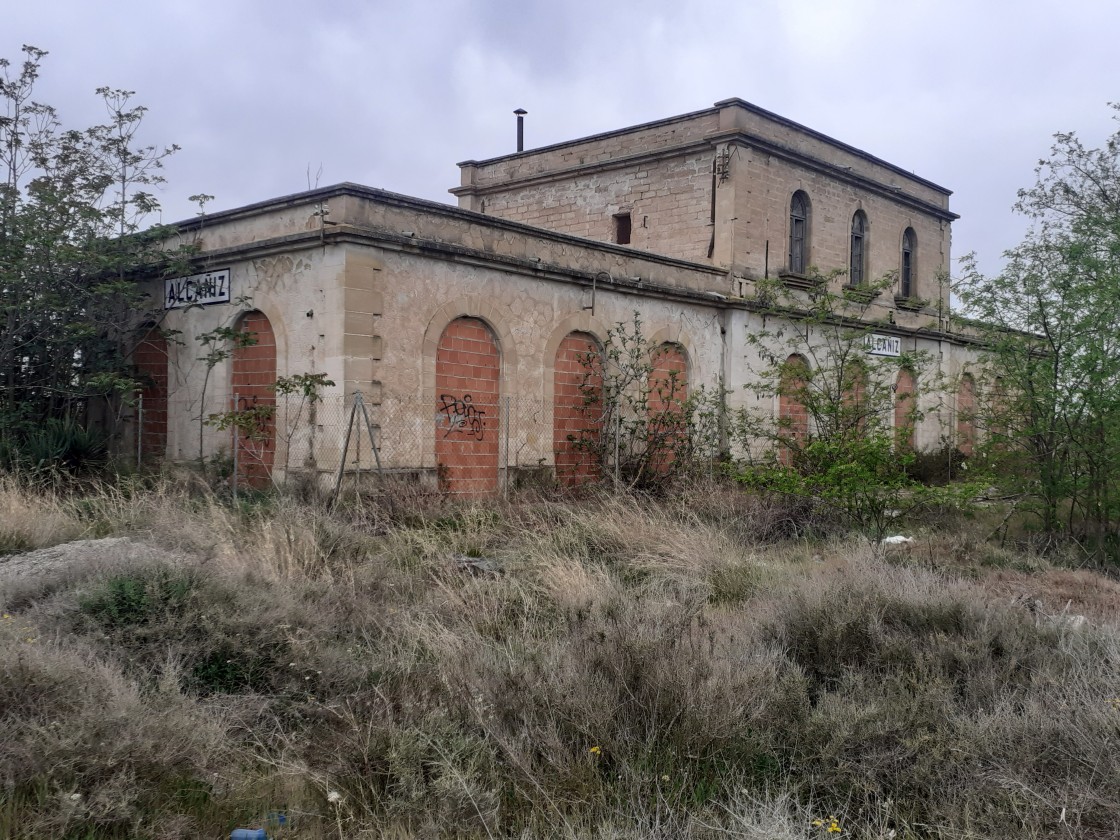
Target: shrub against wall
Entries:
(72, 205)
(643, 421)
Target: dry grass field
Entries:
(405, 666)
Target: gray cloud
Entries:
(393, 95)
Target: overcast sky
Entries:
(965, 93)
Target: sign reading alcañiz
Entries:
(210, 287)
(883, 345)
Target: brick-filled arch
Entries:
(251, 381)
(151, 361)
(966, 415)
(792, 414)
(668, 389)
(576, 406)
(468, 377)
(904, 410)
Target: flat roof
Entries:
(715, 109)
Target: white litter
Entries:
(898, 539)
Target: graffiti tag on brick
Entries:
(460, 416)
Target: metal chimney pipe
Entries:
(521, 112)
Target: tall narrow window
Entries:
(906, 278)
(622, 228)
(798, 232)
(857, 272)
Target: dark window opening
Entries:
(906, 280)
(622, 229)
(798, 232)
(856, 275)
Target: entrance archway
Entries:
(150, 359)
(468, 377)
(792, 414)
(251, 381)
(576, 408)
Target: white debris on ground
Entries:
(898, 539)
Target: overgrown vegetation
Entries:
(713, 659)
(842, 435)
(642, 425)
(604, 667)
(73, 205)
(1051, 406)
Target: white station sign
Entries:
(883, 345)
(198, 289)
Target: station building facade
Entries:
(461, 327)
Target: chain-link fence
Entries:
(461, 446)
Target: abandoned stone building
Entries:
(461, 327)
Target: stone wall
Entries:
(668, 203)
(368, 300)
(715, 186)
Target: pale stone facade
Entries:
(715, 187)
(360, 284)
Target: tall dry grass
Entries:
(602, 667)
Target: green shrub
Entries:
(139, 597)
(58, 444)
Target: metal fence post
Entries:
(617, 432)
(369, 430)
(140, 430)
(236, 447)
(345, 449)
(505, 487)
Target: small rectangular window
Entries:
(622, 229)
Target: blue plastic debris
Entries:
(248, 834)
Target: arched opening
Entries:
(799, 233)
(151, 360)
(468, 377)
(855, 411)
(251, 394)
(906, 269)
(793, 417)
(905, 410)
(577, 408)
(857, 268)
(668, 391)
(966, 415)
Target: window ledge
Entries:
(799, 281)
(910, 304)
(860, 294)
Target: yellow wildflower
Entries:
(595, 750)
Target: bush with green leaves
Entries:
(643, 426)
(833, 439)
(73, 204)
(1049, 398)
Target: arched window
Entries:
(799, 233)
(857, 274)
(906, 272)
